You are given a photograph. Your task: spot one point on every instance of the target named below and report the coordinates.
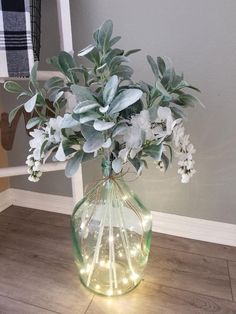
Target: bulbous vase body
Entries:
(111, 233)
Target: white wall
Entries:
(199, 36)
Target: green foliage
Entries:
(154, 151)
(106, 100)
(124, 100)
(13, 87)
(73, 164)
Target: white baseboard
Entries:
(42, 201)
(187, 227)
(5, 199)
(195, 228)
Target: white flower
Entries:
(33, 169)
(165, 122)
(29, 162)
(54, 130)
(39, 136)
(33, 178)
(185, 178)
(184, 152)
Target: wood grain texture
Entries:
(37, 273)
(150, 298)
(32, 279)
(11, 306)
(232, 272)
(190, 272)
(194, 246)
(47, 240)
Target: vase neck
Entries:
(107, 167)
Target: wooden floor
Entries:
(37, 273)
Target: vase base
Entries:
(108, 293)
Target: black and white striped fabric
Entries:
(16, 49)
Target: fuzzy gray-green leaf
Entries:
(30, 104)
(73, 164)
(110, 89)
(124, 100)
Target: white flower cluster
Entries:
(141, 129)
(184, 152)
(33, 168)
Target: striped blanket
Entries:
(16, 48)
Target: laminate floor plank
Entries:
(9, 306)
(17, 212)
(151, 298)
(37, 270)
(232, 273)
(41, 239)
(38, 216)
(194, 246)
(195, 273)
(44, 283)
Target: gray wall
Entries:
(199, 36)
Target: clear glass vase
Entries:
(111, 233)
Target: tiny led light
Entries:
(134, 276)
(111, 239)
(119, 292)
(109, 292)
(97, 287)
(124, 198)
(82, 271)
(133, 252)
(125, 280)
(102, 263)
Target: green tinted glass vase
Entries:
(111, 232)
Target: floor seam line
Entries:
(231, 288)
(34, 305)
(194, 292)
(181, 251)
(89, 304)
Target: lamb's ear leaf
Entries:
(30, 104)
(110, 89)
(153, 66)
(161, 65)
(13, 113)
(85, 106)
(87, 129)
(104, 34)
(33, 75)
(190, 100)
(73, 164)
(13, 87)
(33, 122)
(81, 93)
(154, 151)
(94, 142)
(114, 40)
(124, 100)
(162, 90)
(130, 52)
(67, 62)
(101, 125)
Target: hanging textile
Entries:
(16, 48)
(35, 13)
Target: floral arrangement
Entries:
(99, 110)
